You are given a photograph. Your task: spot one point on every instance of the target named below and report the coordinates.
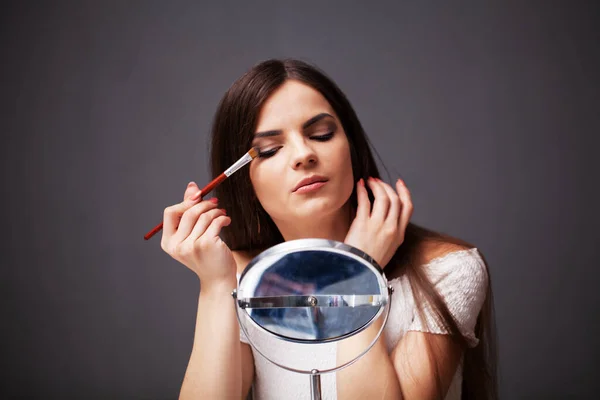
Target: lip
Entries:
(310, 180)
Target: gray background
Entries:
(489, 112)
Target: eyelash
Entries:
(318, 138)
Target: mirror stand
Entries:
(315, 374)
(315, 384)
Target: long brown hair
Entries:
(252, 229)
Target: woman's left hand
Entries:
(379, 232)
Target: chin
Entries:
(318, 208)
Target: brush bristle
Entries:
(253, 152)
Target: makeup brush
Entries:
(246, 158)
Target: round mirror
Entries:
(299, 301)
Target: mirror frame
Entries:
(299, 245)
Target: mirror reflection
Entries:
(312, 295)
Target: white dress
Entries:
(461, 279)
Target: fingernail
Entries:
(191, 183)
(224, 211)
(401, 181)
(196, 196)
(361, 182)
(214, 200)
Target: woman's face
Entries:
(300, 137)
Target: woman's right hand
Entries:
(191, 236)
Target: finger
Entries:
(363, 208)
(381, 204)
(190, 217)
(214, 229)
(190, 190)
(203, 222)
(395, 204)
(172, 215)
(407, 205)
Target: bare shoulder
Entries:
(242, 258)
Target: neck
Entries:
(332, 227)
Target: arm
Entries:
(418, 364)
(220, 366)
(371, 377)
(408, 373)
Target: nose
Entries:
(303, 155)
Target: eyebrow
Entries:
(307, 124)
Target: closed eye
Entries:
(268, 153)
(271, 152)
(322, 138)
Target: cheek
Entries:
(264, 181)
(340, 161)
(344, 163)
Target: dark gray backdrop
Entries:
(489, 112)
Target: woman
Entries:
(316, 177)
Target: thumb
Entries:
(191, 190)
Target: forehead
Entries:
(291, 104)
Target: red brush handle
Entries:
(205, 190)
